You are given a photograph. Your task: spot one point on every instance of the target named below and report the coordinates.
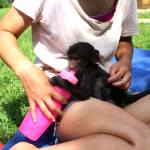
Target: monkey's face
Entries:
(80, 55)
(73, 63)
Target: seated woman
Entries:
(56, 24)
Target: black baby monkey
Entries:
(84, 59)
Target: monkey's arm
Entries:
(102, 90)
(79, 92)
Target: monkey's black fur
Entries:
(92, 79)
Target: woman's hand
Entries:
(40, 92)
(120, 72)
(120, 75)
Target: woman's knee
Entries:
(85, 113)
(89, 109)
(96, 117)
(74, 117)
(23, 146)
(84, 109)
(78, 109)
(105, 141)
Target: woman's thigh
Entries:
(97, 117)
(96, 142)
(140, 109)
(24, 146)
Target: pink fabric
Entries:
(1, 146)
(106, 16)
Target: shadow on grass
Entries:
(15, 109)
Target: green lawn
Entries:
(13, 102)
(3, 12)
(143, 39)
(144, 15)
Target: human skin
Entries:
(96, 142)
(140, 109)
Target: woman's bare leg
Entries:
(140, 109)
(84, 119)
(98, 117)
(93, 142)
(24, 146)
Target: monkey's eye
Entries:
(73, 58)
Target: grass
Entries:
(3, 12)
(143, 39)
(144, 15)
(13, 102)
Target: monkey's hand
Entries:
(79, 92)
(56, 80)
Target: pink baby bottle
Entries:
(34, 130)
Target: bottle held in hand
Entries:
(34, 130)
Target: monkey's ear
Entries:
(95, 56)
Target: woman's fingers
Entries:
(41, 93)
(32, 110)
(52, 106)
(122, 81)
(46, 111)
(48, 106)
(120, 76)
(58, 97)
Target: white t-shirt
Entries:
(59, 23)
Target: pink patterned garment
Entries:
(106, 16)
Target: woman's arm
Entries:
(120, 74)
(35, 82)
